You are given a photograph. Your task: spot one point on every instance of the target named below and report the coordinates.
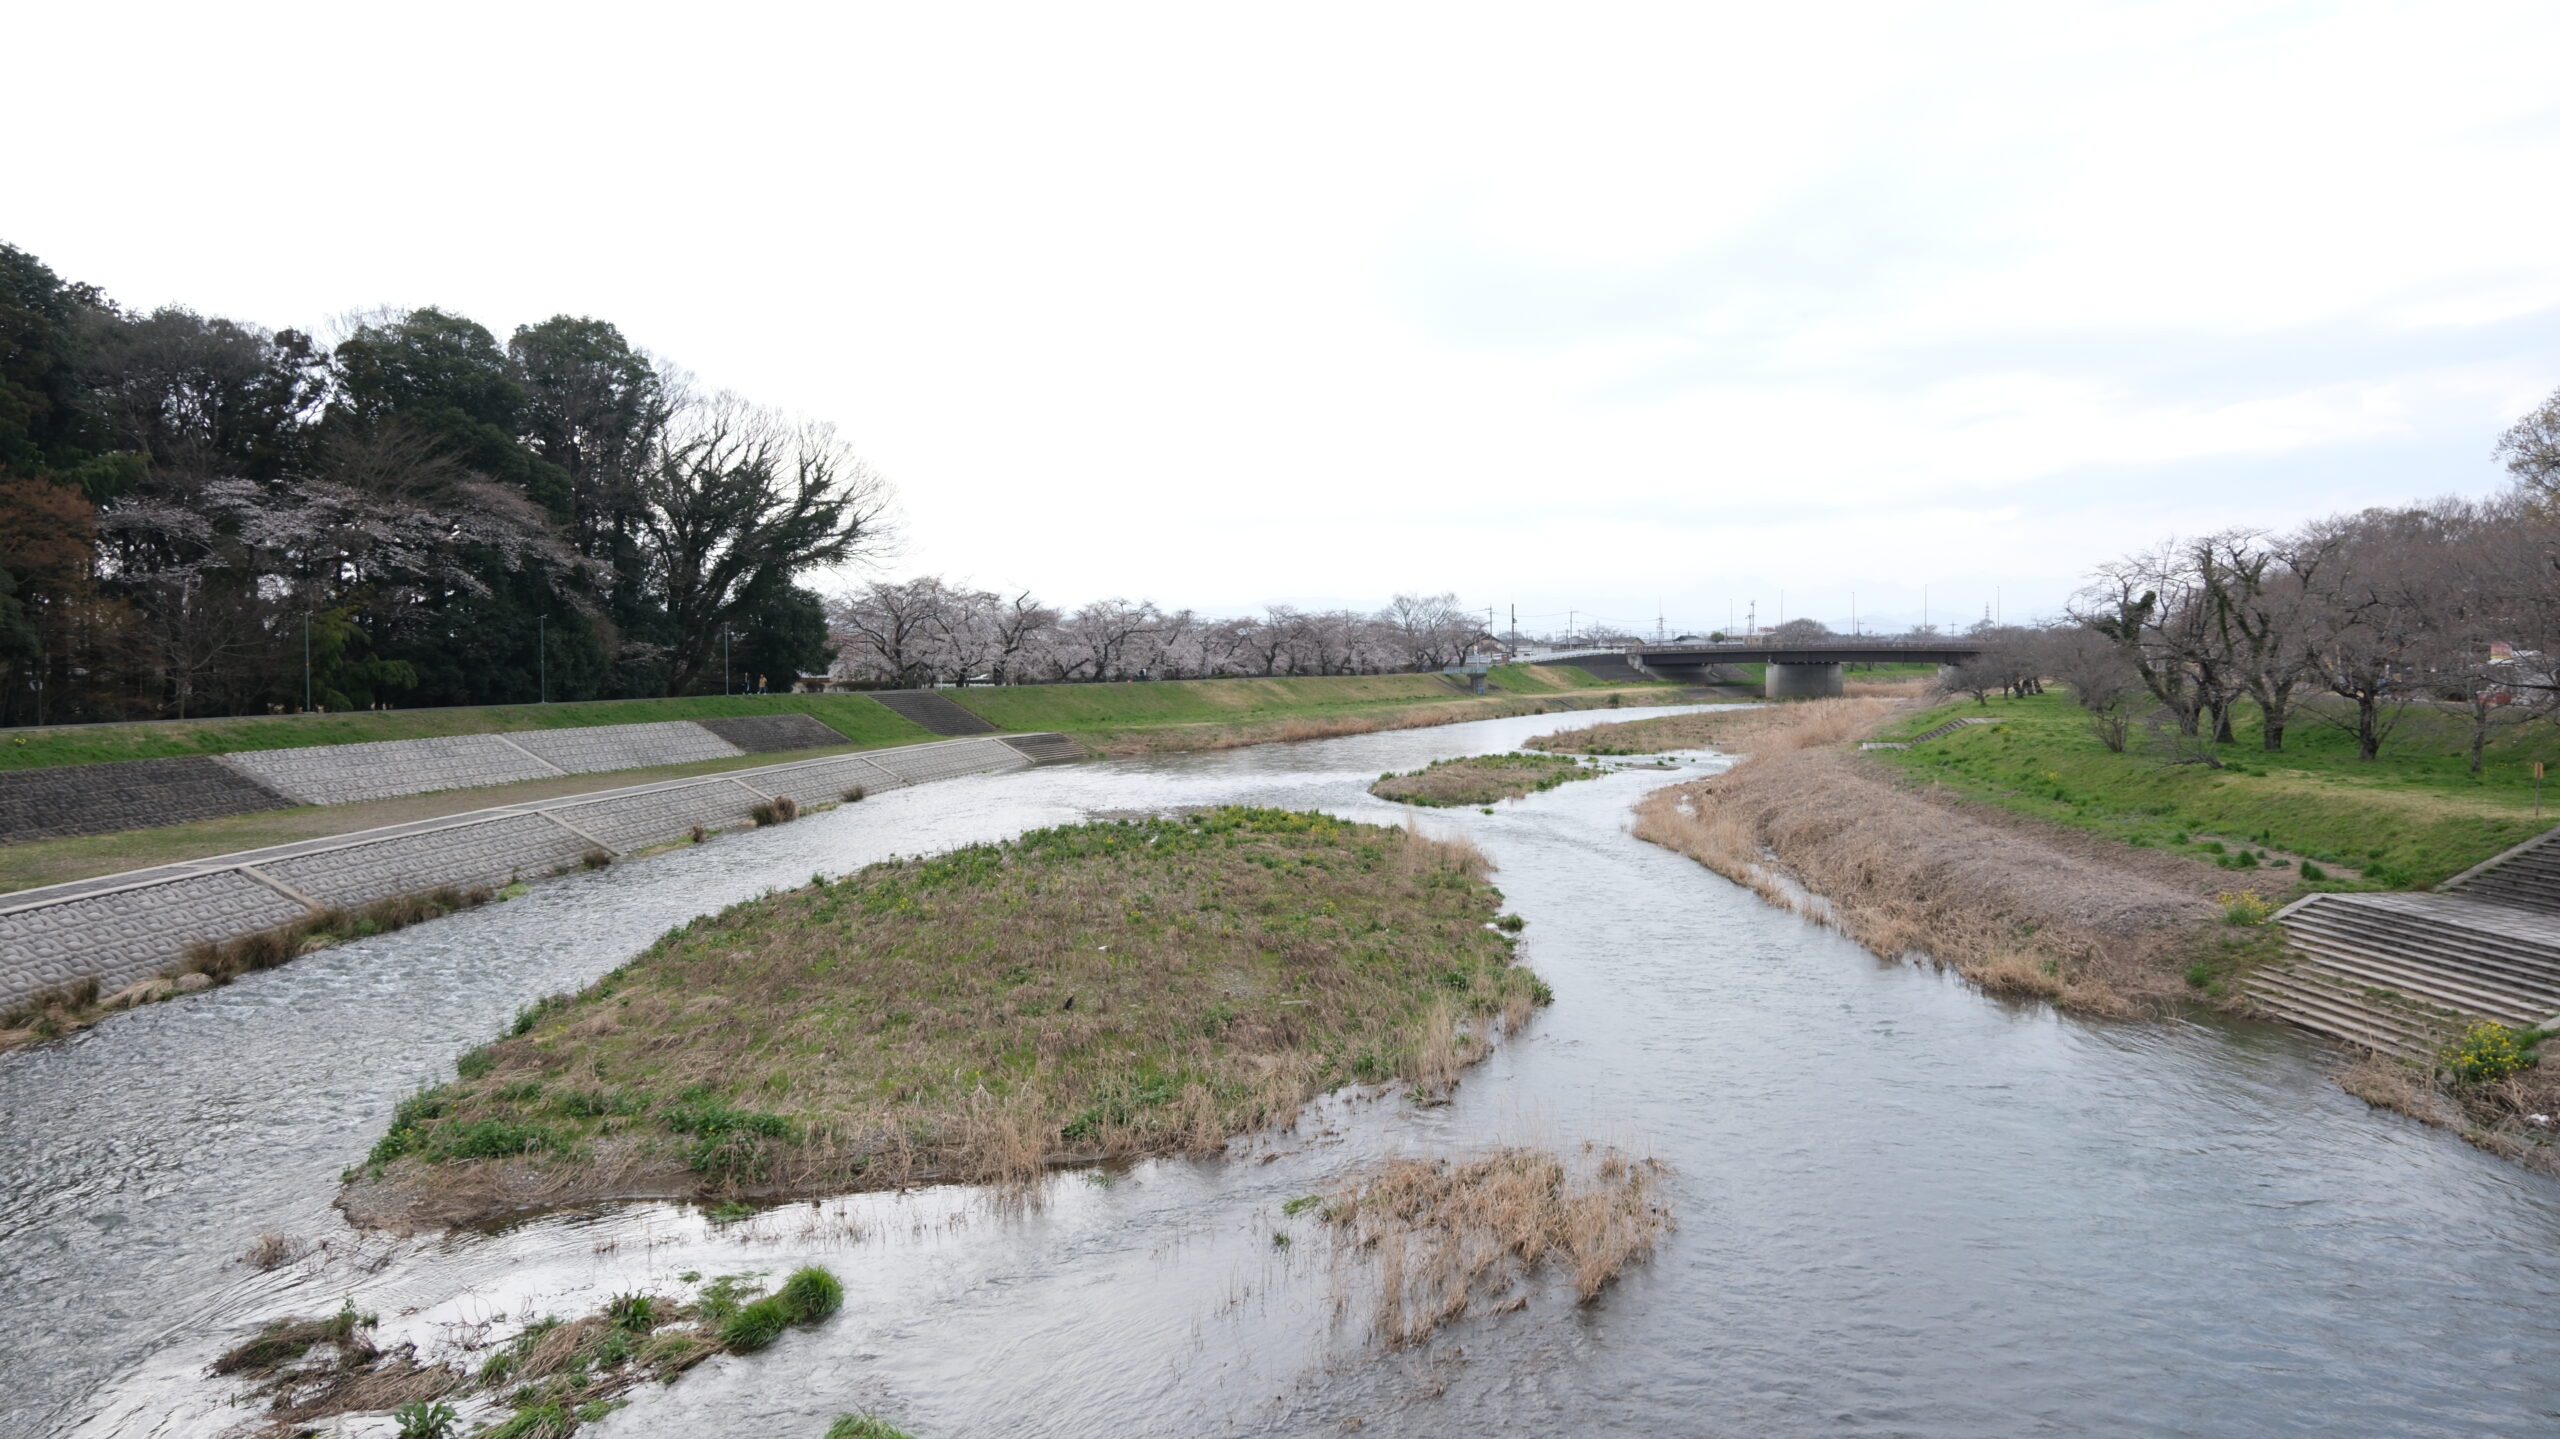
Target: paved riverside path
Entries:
(121, 928)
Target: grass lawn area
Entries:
(1090, 991)
(1481, 779)
(859, 718)
(2411, 818)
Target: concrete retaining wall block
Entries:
(349, 773)
(130, 934)
(624, 746)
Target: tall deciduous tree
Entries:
(738, 497)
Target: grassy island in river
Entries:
(1087, 992)
(1481, 779)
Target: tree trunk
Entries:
(2368, 726)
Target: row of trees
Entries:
(929, 631)
(2348, 620)
(190, 506)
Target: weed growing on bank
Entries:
(1481, 779)
(80, 1003)
(1090, 992)
(864, 1426)
(553, 1376)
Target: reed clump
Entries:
(1095, 991)
(1447, 1237)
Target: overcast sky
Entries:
(1570, 306)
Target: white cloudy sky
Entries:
(1583, 306)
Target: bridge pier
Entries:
(1803, 681)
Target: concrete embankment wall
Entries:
(147, 793)
(123, 928)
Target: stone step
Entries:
(1045, 748)
(934, 711)
(2532, 890)
(2518, 937)
(2307, 997)
(2462, 953)
(2428, 984)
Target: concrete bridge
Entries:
(1795, 671)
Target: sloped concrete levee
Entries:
(351, 773)
(628, 746)
(2403, 973)
(126, 794)
(119, 929)
(764, 734)
(934, 711)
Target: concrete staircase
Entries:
(933, 711)
(1950, 727)
(1045, 748)
(2403, 973)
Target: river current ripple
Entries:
(1905, 1209)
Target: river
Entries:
(1904, 1208)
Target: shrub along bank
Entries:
(1087, 992)
(2411, 818)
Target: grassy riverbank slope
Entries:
(1223, 714)
(2411, 818)
(1081, 993)
(2018, 906)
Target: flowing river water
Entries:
(1904, 1208)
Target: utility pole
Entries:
(1751, 622)
(1659, 632)
(1853, 614)
(1568, 627)
(1512, 650)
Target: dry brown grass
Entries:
(2019, 908)
(1446, 1237)
(1481, 779)
(1756, 729)
(1915, 687)
(2497, 1116)
(1097, 991)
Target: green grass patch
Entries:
(2413, 817)
(551, 1378)
(1481, 779)
(1099, 990)
(859, 718)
